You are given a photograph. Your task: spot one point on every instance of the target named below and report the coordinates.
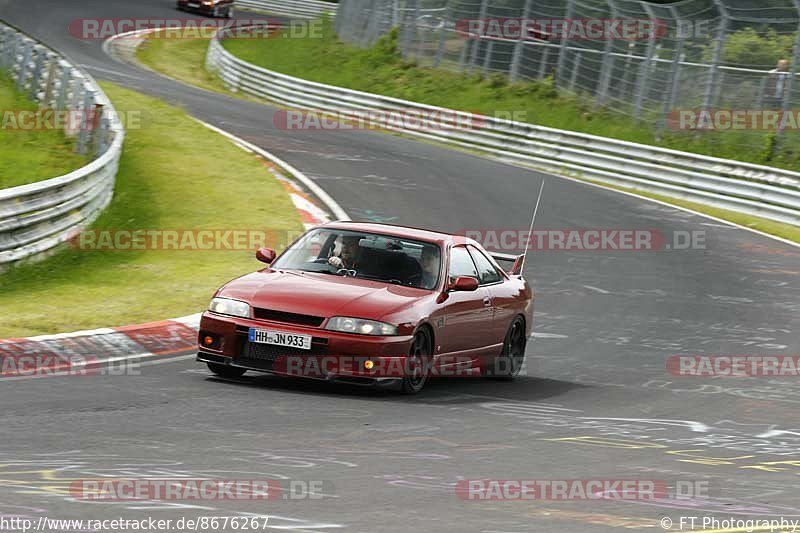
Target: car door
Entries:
(502, 296)
(467, 326)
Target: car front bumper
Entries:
(334, 356)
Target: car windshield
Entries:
(365, 255)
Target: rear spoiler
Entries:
(516, 260)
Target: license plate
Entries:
(280, 338)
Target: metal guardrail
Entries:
(296, 8)
(35, 218)
(753, 189)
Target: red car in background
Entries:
(372, 304)
(210, 8)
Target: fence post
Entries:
(487, 56)
(405, 42)
(762, 87)
(10, 49)
(516, 57)
(675, 73)
(544, 62)
(791, 82)
(462, 58)
(417, 32)
(395, 13)
(23, 66)
(575, 67)
(50, 82)
(716, 59)
(716, 100)
(608, 63)
(38, 68)
(626, 69)
(341, 12)
(86, 110)
(477, 41)
(98, 116)
(102, 136)
(362, 22)
(5, 42)
(562, 50)
(63, 87)
(443, 33)
(422, 37)
(374, 21)
(644, 69)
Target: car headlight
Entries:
(360, 325)
(226, 306)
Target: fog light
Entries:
(208, 340)
(368, 365)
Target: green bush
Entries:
(754, 49)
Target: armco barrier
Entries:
(753, 189)
(294, 8)
(36, 217)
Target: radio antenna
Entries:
(530, 231)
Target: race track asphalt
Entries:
(597, 401)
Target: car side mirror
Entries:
(265, 255)
(464, 284)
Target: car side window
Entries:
(461, 264)
(488, 273)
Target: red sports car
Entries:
(372, 304)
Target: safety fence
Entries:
(36, 217)
(637, 58)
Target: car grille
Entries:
(259, 355)
(288, 318)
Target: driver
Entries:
(430, 267)
(348, 256)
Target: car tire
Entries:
(229, 13)
(226, 371)
(509, 363)
(418, 362)
(216, 12)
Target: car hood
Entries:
(322, 295)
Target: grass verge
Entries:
(182, 59)
(175, 175)
(27, 156)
